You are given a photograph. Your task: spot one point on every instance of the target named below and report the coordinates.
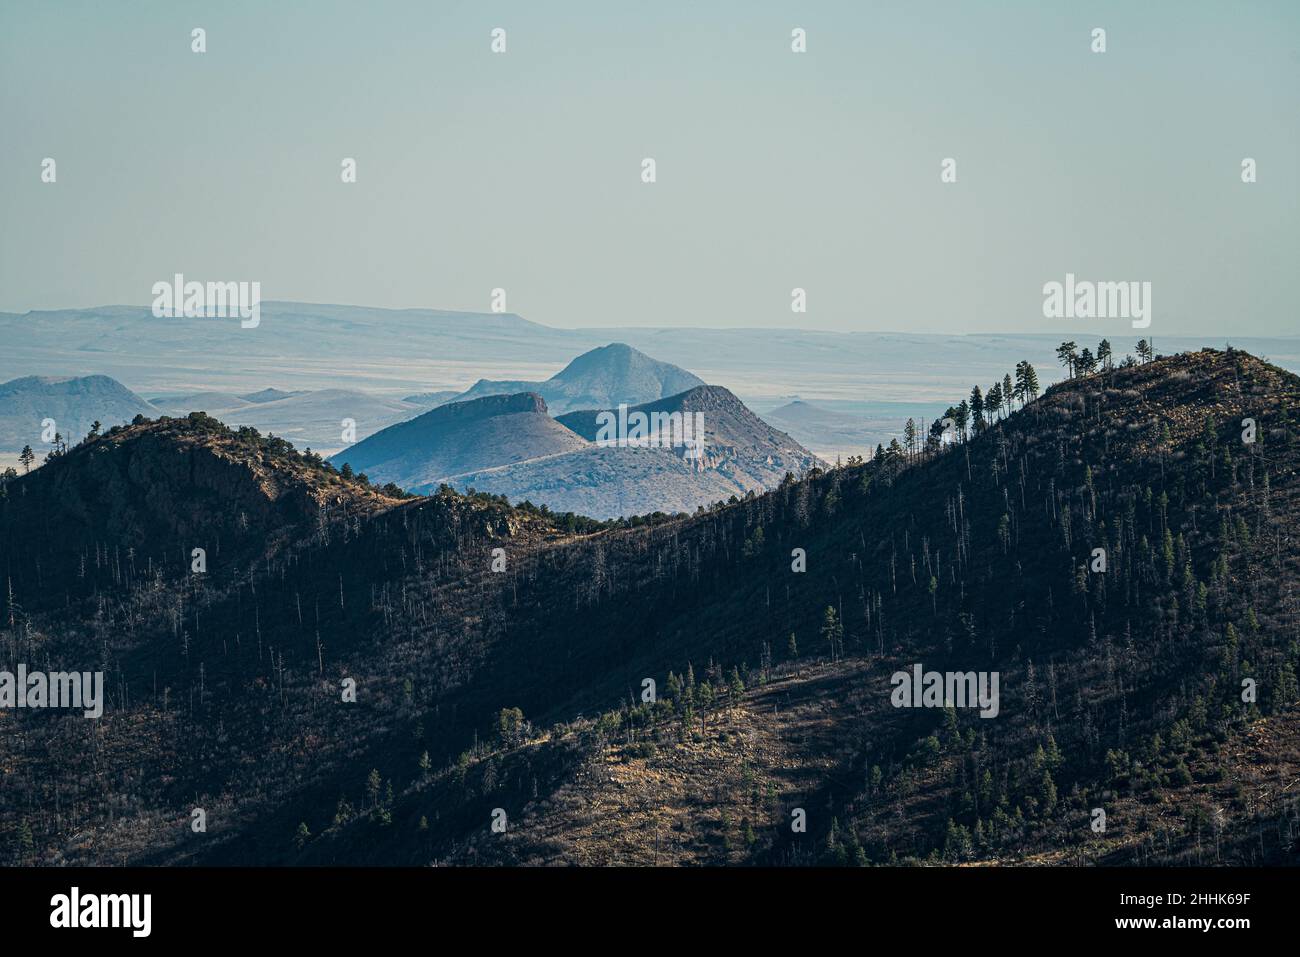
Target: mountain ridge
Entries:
(1121, 688)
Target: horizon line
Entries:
(693, 328)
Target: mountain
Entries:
(74, 403)
(1121, 553)
(807, 415)
(603, 377)
(741, 455)
(312, 419)
(509, 445)
(737, 441)
(156, 490)
(459, 437)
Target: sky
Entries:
(775, 170)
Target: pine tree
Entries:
(833, 632)
(1086, 363)
(994, 399)
(1067, 353)
(1285, 688)
(674, 687)
(1052, 756)
(977, 409)
(957, 842)
(1047, 794)
(1026, 382)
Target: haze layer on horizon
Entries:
(775, 170)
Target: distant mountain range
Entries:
(311, 419)
(509, 445)
(401, 352)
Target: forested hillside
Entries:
(1121, 551)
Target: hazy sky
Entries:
(775, 169)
